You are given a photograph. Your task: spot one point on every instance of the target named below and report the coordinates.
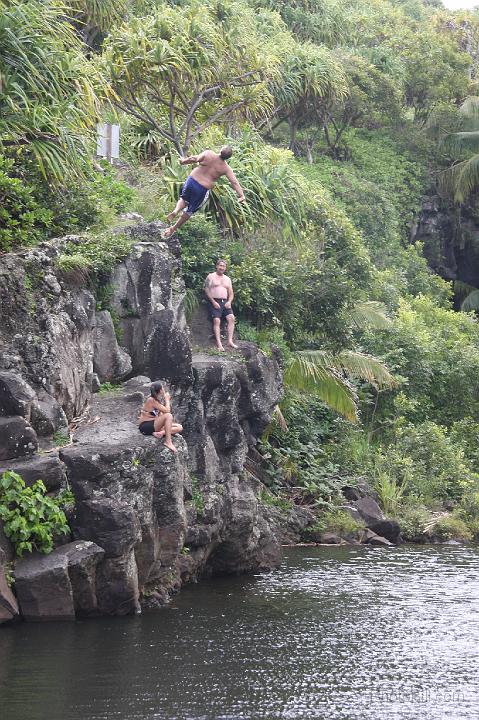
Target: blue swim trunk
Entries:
(194, 194)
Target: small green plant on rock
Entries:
(108, 387)
(31, 518)
(197, 496)
(271, 500)
(60, 438)
(9, 574)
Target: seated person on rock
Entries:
(219, 290)
(156, 418)
(195, 191)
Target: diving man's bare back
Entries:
(211, 167)
(194, 193)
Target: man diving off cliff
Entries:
(195, 191)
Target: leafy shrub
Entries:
(423, 459)
(197, 496)
(23, 221)
(451, 527)
(100, 253)
(389, 492)
(339, 522)
(295, 458)
(267, 498)
(412, 521)
(31, 518)
(436, 351)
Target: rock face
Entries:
(8, 603)
(148, 299)
(451, 240)
(59, 585)
(110, 362)
(145, 520)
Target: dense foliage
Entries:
(31, 519)
(342, 115)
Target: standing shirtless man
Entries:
(219, 290)
(195, 191)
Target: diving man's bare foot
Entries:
(159, 434)
(232, 345)
(171, 447)
(171, 216)
(220, 348)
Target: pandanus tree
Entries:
(93, 19)
(181, 70)
(49, 92)
(310, 78)
(318, 21)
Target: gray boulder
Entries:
(16, 395)
(43, 587)
(371, 538)
(110, 523)
(48, 468)
(117, 586)
(83, 558)
(110, 362)
(46, 415)
(368, 510)
(148, 298)
(17, 438)
(8, 604)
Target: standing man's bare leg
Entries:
(217, 333)
(180, 205)
(230, 330)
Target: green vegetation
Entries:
(342, 117)
(197, 496)
(107, 387)
(31, 518)
(340, 523)
(60, 438)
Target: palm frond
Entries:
(311, 376)
(366, 368)
(461, 179)
(459, 141)
(471, 302)
(370, 314)
(350, 362)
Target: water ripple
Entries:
(335, 634)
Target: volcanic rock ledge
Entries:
(145, 520)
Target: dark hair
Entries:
(226, 152)
(222, 261)
(156, 387)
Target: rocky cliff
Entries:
(450, 238)
(144, 520)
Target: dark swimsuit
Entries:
(194, 194)
(147, 427)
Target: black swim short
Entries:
(147, 427)
(220, 312)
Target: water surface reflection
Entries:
(335, 634)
